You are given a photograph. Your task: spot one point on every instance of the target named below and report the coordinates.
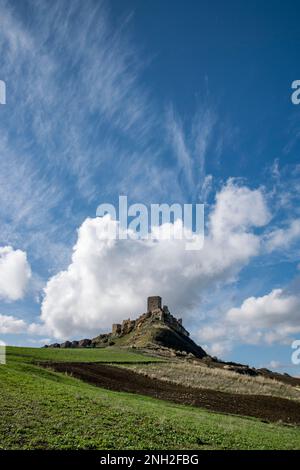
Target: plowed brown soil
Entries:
(267, 408)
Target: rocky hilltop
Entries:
(156, 329)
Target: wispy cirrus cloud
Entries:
(75, 111)
(191, 148)
(77, 117)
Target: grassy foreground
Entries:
(43, 409)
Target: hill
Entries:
(157, 329)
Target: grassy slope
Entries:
(43, 409)
(109, 354)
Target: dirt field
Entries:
(271, 409)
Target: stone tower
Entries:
(153, 303)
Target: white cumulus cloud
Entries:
(10, 324)
(268, 311)
(15, 273)
(268, 319)
(109, 280)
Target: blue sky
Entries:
(162, 102)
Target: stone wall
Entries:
(127, 326)
(116, 329)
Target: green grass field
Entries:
(41, 409)
(109, 354)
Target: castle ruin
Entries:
(155, 312)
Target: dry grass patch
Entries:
(202, 376)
